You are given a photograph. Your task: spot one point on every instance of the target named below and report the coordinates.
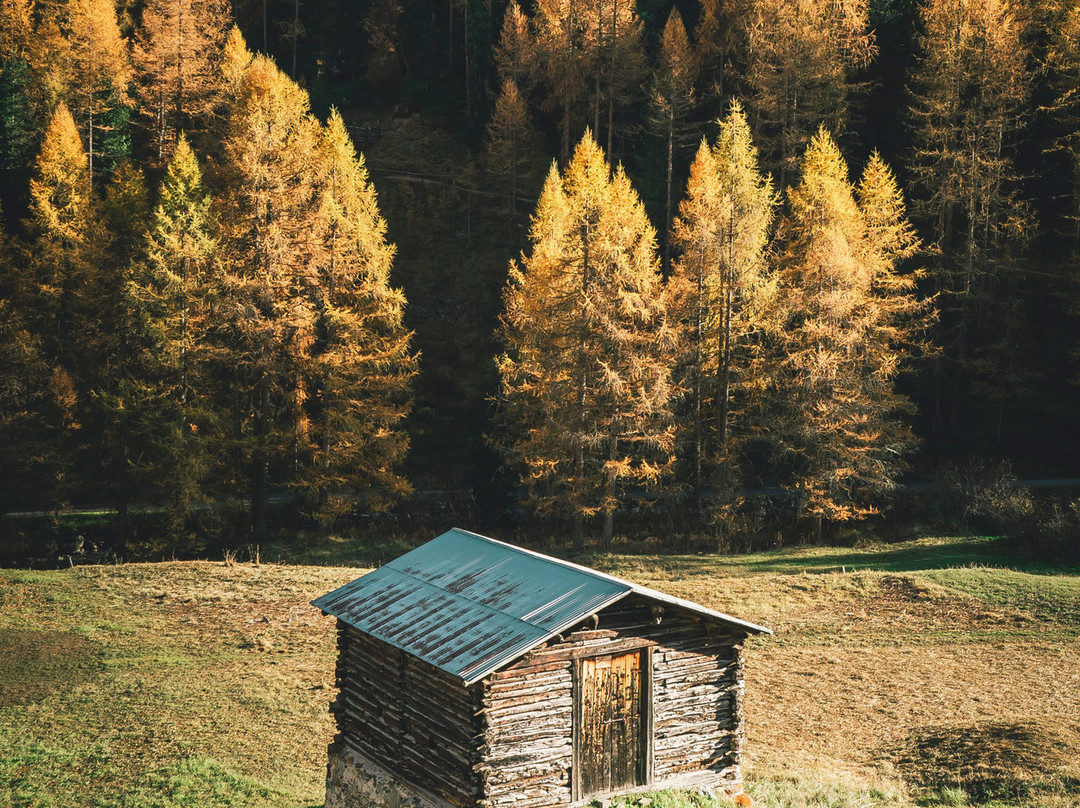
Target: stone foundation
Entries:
(354, 781)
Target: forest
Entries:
(731, 268)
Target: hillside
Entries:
(896, 673)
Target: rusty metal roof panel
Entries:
(469, 605)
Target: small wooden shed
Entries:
(475, 673)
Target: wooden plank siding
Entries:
(408, 716)
(695, 705)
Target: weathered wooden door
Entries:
(613, 725)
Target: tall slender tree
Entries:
(63, 216)
(35, 403)
(177, 52)
(619, 67)
(586, 384)
(848, 320)
(565, 51)
(110, 342)
(363, 365)
(720, 47)
(801, 62)
(968, 94)
(64, 247)
(723, 288)
(176, 288)
(17, 127)
(672, 97)
(99, 78)
(512, 146)
(264, 329)
(515, 52)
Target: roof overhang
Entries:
(470, 605)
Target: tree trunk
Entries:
(295, 36)
(609, 511)
(582, 395)
(699, 326)
(667, 209)
(260, 473)
(724, 389)
(565, 134)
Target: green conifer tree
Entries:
(175, 289)
(35, 413)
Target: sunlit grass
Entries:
(206, 684)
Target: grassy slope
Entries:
(924, 669)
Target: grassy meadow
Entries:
(930, 672)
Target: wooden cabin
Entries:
(475, 673)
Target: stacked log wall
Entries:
(696, 689)
(696, 701)
(407, 716)
(528, 713)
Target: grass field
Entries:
(932, 672)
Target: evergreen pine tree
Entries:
(35, 404)
(110, 343)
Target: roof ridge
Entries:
(638, 589)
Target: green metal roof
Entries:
(469, 605)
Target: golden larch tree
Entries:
(512, 146)
(586, 389)
(968, 95)
(722, 287)
(99, 75)
(264, 329)
(720, 47)
(802, 59)
(848, 322)
(177, 52)
(362, 366)
(672, 99)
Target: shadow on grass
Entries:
(918, 555)
(906, 557)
